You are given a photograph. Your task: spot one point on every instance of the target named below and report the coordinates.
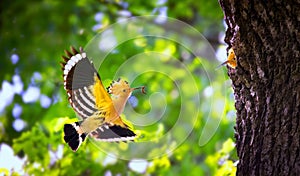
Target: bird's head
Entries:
(121, 88)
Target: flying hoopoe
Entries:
(99, 111)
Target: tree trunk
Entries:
(266, 39)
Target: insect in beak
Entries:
(142, 88)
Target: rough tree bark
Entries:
(266, 83)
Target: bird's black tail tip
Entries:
(73, 135)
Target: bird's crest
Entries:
(118, 87)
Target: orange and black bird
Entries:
(100, 112)
(231, 59)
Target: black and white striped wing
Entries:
(80, 77)
(113, 133)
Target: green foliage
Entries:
(225, 166)
(39, 31)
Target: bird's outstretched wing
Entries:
(113, 133)
(82, 82)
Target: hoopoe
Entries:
(99, 111)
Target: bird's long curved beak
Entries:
(221, 64)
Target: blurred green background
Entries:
(34, 106)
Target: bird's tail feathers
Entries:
(74, 136)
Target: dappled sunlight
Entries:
(183, 113)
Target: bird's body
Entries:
(99, 111)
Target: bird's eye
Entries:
(124, 90)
